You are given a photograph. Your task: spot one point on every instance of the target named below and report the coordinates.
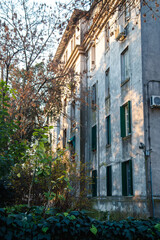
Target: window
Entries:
(72, 145)
(125, 117)
(108, 130)
(64, 138)
(107, 87)
(94, 97)
(94, 138)
(127, 183)
(94, 183)
(93, 56)
(65, 106)
(109, 180)
(107, 36)
(125, 66)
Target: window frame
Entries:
(94, 138)
(126, 129)
(125, 71)
(127, 178)
(108, 130)
(109, 180)
(94, 183)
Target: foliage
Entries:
(21, 222)
(11, 151)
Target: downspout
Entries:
(98, 152)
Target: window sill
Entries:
(125, 81)
(127, 137)
(108, 145)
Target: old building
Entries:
(113, 125)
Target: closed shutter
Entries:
(94, 183)
(108, 129)
(124, 179)
(129, 115)
(109, 180)
(122, 121)
(94, 138)
(130, 179)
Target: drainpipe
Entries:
(98, 152)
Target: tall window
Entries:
(94, 138)
(94, 183)
(94, 97)
(107, 87)
(125, 66)
(64, 138)
(109, 180)
(108, 130)
(107, 36)
(93, 56)
(127, 182)
(125, 117)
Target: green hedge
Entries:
(36, 223)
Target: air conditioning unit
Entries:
(120, 33)
(155, 101)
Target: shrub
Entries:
(21, 222)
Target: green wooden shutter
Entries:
(122, 119)
(94, 138)
(131, 179)
(109, 180)
(124, 179)
(129, 114)
(108, 130)
(94, 183)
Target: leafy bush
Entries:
(21, 222)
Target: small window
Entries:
(72, 145)
(125, 117)
(107, 84)
(107, 36)
(94, 97)
(94, 138)
(64, 138)
(94, 183)
(125, 75)
(109, 180)
(93, 56)
(108, 130)
(127, 182)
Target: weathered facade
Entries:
(112, 126)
